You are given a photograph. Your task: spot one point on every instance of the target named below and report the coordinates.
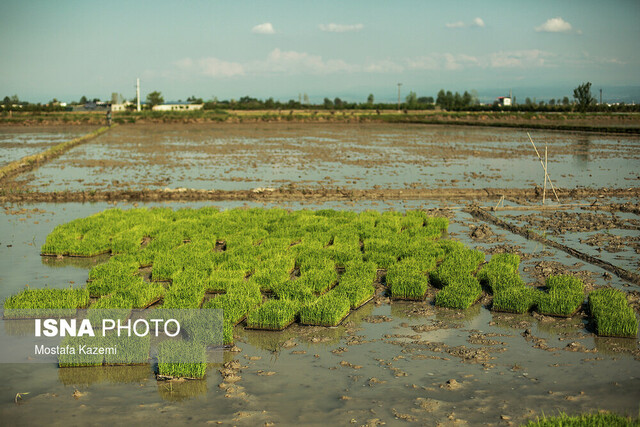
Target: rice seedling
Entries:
(407, 280)
(295, 290)
(501, 273)
(131, 350)
(515, 299)
(235, 306)
(182, 359)
(319, 280)
(268, 278)
(564, 296)
(461, 293)
(223, 280)
(47, 301)
(274, 314)
(76, 357)
(328, 310)
(599, 419)
(613, 315)
(459, 263)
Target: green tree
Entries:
(370, 99)
(467, 99)
(411, 99)
(155, 98)
(582, 94)
(441, 99)
(328, 103)
(83, 100)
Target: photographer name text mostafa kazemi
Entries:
(74, 349)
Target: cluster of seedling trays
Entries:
(271, 268)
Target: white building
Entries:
(504, 101)
(177, 107)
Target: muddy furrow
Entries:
(528, 234)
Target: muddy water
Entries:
(17, 142)
(389, 362)
(234, 157)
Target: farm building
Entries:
(177, 107)
(504, 101)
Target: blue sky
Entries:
(348, 49)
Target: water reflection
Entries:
(615, 346)
(581, 149)
(85, 263)
(276, 341)
(180, 390)
(85, 376)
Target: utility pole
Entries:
(399, 85)
(138, 94)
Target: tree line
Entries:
(445, 100)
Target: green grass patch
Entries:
(601, 419)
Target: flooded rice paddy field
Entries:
(272, 155)
(17, 142)
(389, 362)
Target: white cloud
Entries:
(340, 28)
(383, 66)
(458, 24)
(292, 62)
(554, 25)
(519, 59)
(442, 61)
(478, 22)
(265, 28)
(212, 67)
(452, 62)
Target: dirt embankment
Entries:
(30, 162)
(625, 123)
(295, 194)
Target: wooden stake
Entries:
(545, 168)
(544, 189)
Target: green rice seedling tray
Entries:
(422, 298)
(265, 328)
(559, 315)
(338, 323)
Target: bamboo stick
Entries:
(544, 167)
(544, 189)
